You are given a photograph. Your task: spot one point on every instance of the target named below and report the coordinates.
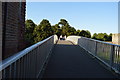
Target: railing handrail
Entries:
(102, 41)
(5, 63)
(107, 53)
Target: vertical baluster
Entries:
(115, 58)
(32, 64)
(18, 69)
(37, 58)
(39, 61)
(26, 74)
(112, 56)
(28, 65)
(10, 71)
(36, 63)
(108, 52)
(24, 66)
(4, 74)
(108, 48)
(95, 48)
(19, 76)
(21, 65)
(1, 75)
(34, 52)
(14, 75)
(118, 59)
(107, 56)
(29, 68)
(29, 62)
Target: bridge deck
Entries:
(71, 61)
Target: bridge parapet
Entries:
(29, 62)
(107, 53)
(73, 39)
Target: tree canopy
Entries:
(29, 28)
(102, 36)
(43, 30)
(85, 33)
(35, 33)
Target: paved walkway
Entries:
(71, 61)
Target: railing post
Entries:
(112, 56)
(95, 48)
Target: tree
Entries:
(88, 34)
(43, 30)
(29, 28)
(34, 33)
(94, 36)
(63, 22)
(110, 37)
(85, 34)
(59, 31)
(66, 28)
(102, 37)
(105, 38)
(77, 32)
(71, 31)
(55, 28)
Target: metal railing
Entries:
(108, 53)
(29, 62)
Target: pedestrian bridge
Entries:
(75, 57)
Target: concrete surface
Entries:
(71, 61)
(73, 39)
(116, 38)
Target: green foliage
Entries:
(71, 31)
(43, 30)
(110, 37)
(55, 28)
(29, 28)
(85, 33)
(102, 36)
(94, 36)
(35, 33)
(59, 31)
(63, 22)
(77, 32)
(66, 28)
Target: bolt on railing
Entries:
(29, 62)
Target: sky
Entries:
(97, 17)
